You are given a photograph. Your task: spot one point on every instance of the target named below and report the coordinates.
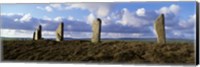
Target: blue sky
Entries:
(119, 20)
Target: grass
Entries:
(134, 52)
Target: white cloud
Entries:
(177, 33)
(70, 18)
(7, 14)
(48, 34)
(77, 35)
(101, 10)
(69, 27)
(15, 33)
(47, 18)
(116, 15)
(126, 17)
(171, 9)
(174, 8)
(121, 35)
(163, 10)
(192, 18)
(48, 9)
(80, 6)
(168, 28)
(108, 18)
(11, 14)
(38, 7)
(130, 20)
(103, 34)
(106, 21)
(16, 20)
(58, 19)
(25, 33)
(140, 12)
(188, 22)
(55, 5)
(153, 31)
(183, 23)
(90, 18)
(26, 18)
(44, 24)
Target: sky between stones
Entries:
(119, 20)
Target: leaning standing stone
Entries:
(96, 29)
(59, 32)
(159, 26)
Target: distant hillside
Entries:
(126, 39)
(14, 38)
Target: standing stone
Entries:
(59, 32)
(33, 35)
(159, 26)
(38, 33)
(96, 29)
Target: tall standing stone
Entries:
(159, 26)
(38, 33)
(59, 32)
(96, 29)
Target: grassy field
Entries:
(133, 52)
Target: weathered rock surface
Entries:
(59, 32)
(96, 29)
(159, 26)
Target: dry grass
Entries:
(105, 52)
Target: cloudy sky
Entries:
(119, 20)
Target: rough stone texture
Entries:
(59, 32)
(38, 33)
(159, 26)
(33, 35)
(96, 29)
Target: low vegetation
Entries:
(132, 52)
